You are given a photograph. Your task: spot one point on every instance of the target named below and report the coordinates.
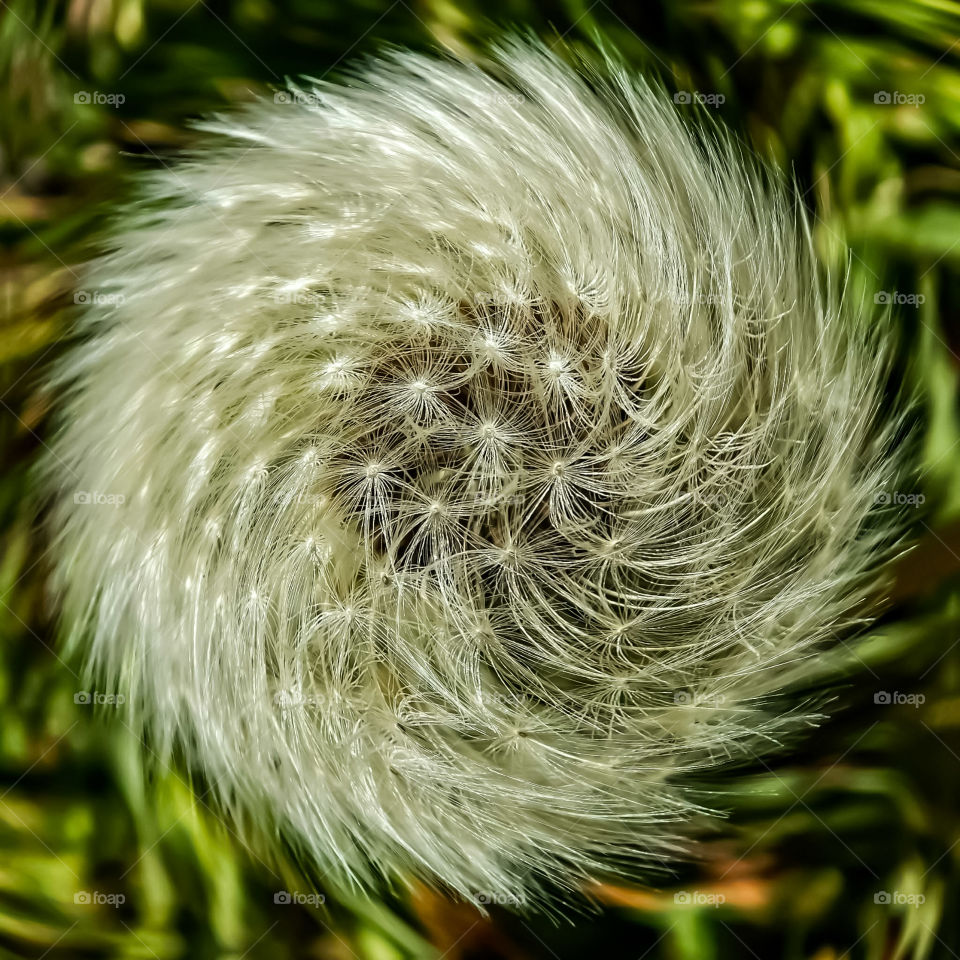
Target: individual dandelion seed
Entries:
(485, 467)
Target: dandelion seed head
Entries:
(488, 431)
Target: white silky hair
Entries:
(491, 450)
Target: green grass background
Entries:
(866, 806)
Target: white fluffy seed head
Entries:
(489, 450)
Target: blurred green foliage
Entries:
(848, 845)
